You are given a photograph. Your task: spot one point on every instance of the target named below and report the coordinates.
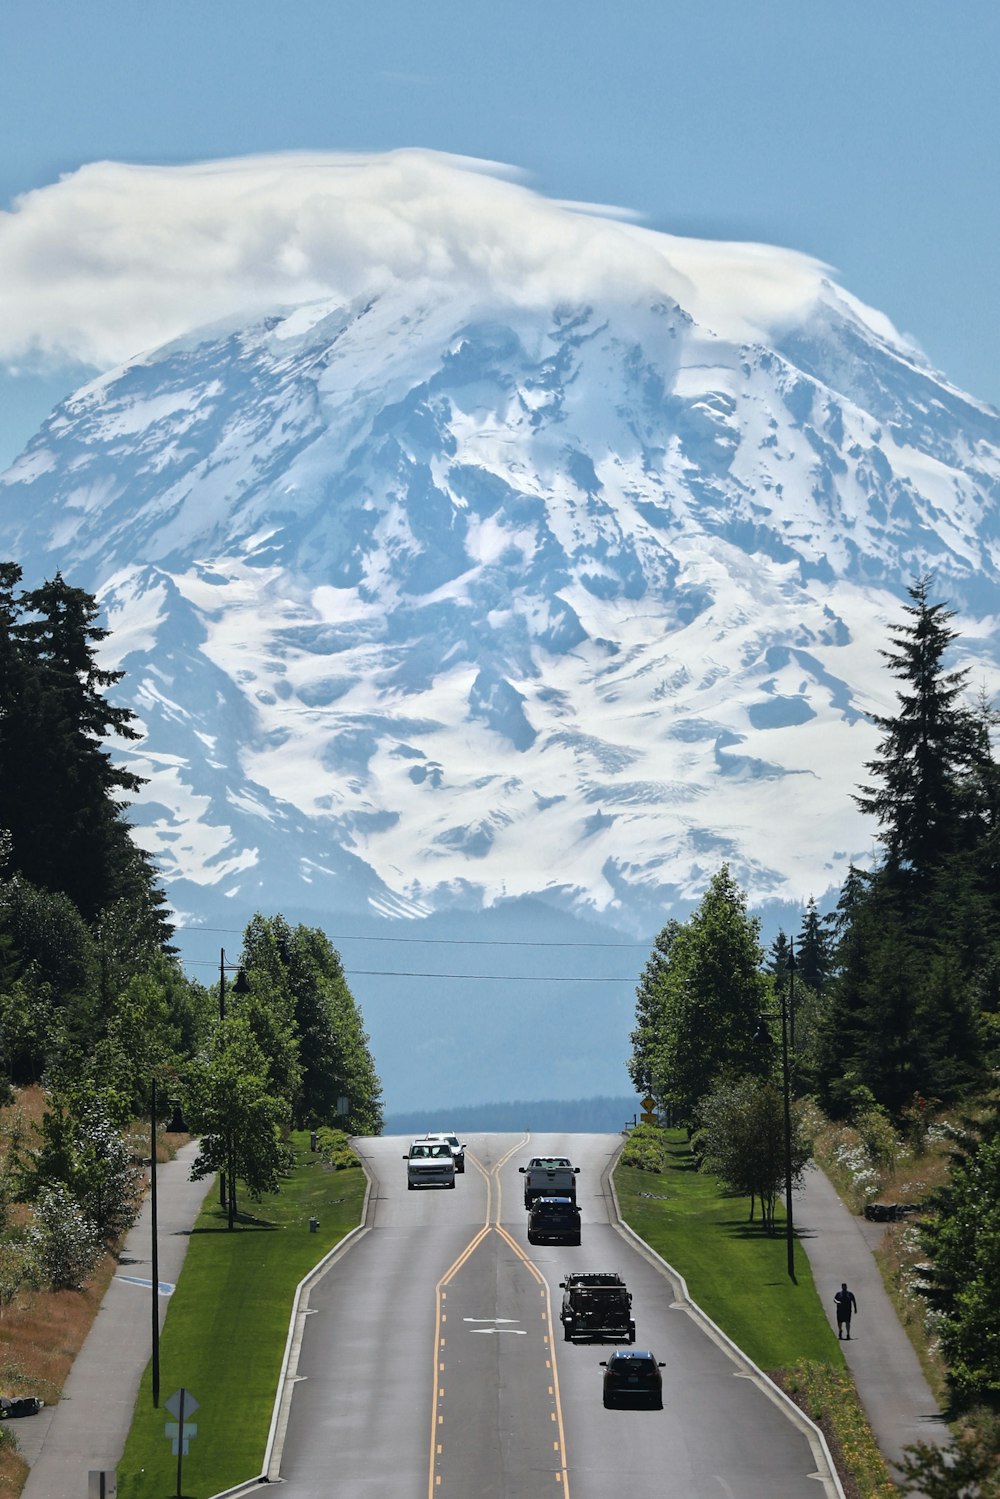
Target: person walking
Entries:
(846, 1304)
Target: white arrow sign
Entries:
(489, 1319)
(518, 1332)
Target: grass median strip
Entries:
(737, 1273)
(734, 1270)
(225, 1331)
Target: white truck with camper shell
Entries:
(549, 1176)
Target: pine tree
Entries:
(813, 945)
(64, 809)
(926, 750)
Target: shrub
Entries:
(336, 1150)
(645, 1148)
(62, 1242)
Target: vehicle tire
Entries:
(409, 1186)
(567, 1335)
(631, 1332)
(451, 1184)
(608, 1403)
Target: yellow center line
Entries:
(491, 1177)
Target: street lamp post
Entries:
(155, 1259)
(787, 1007)
(239, 987)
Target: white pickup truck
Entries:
(549, 1176)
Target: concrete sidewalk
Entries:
(86, 1430)
(887, 1373)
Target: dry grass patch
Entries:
(41, 1332)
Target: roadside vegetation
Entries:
(735, 1269)
(101, 1029)
(224, 1336)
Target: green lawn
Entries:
(224, 1336)
(734, 1271)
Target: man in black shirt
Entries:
(846, 1304)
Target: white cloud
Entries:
(115, 259)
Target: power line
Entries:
(504, 978)
(230, 931)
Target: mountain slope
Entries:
(435, 603)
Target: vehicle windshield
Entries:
(425, 1151)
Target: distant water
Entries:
(563, 1115)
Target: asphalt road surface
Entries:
(432, 1363)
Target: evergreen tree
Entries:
(927, 749)
(62, 807)
(813, 954)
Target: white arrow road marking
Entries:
(490, 1319)
(518, 1332)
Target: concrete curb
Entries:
(826, 1473)
(288, 1377)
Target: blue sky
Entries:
(863, 132)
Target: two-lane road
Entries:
(432, 1361)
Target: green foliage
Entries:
(878, 1137)
(963, 1285)
(238, 1119)
(80, 1150)
(966, 1469)
(62, 1242)
(644, 1148)
(335, 1149)
(61, 785)
(301, 973)
(17, 1270)
(649, 1010)
(742, 1141)
(709, 993)
(926, 748)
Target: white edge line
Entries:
(817, 1441)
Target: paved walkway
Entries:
(893, 1390)
(86, 1430)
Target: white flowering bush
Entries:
(862, 1177)
(62, 1242)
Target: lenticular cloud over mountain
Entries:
(464, 548)
(118, 258)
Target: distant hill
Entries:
(565, 1115)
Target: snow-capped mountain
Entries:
(424, 604)
(430, 600)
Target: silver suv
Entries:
(457, 1149)
(429, 1163)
